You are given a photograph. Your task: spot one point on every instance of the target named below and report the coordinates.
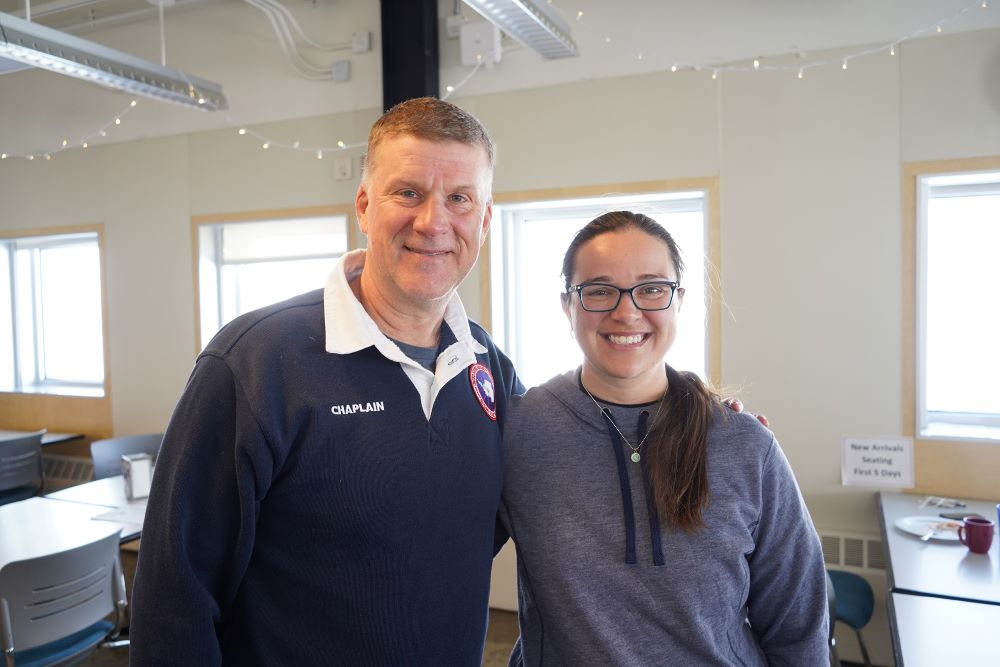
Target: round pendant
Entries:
(635, 457)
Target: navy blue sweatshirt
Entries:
(304, 511)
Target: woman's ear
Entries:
(566, 299)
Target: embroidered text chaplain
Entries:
(350, 409)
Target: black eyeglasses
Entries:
(602, 298)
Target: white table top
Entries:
(109, 491)
(40, 526)
(47, 439)
(936, 567)
(934, 631)
(109, 494)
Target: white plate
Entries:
(947, 529)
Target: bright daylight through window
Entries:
(958, 324)
(51, 319)
(527, 243)
(247, 265)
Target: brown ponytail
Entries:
(677, 451)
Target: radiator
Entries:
(62, 471)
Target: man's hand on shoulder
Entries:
(736, 405)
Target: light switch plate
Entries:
(342, 169)
(361, 42)
(341, 70)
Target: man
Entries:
(327, 486)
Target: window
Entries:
(243, 266)
(527, 248)
(958, 324)
(51, 316)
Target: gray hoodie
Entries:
(600, 584)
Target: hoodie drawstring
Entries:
(654, 517)
(626, 491)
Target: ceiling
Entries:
(81, 16)
(232, 43)
(704, 32)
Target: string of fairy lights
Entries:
(715, 71)
(81, 142)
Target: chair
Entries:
(854, 604)
(21, 473)
(53, 608)
(107, 454)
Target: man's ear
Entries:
(487, 219)
(361, 207)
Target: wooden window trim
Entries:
(942, 466)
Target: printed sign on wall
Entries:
(877, 462)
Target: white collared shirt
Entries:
(350, 328)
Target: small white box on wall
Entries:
(480, 40)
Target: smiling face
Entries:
(425, 207)
(624, 348)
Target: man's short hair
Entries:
(431, 119)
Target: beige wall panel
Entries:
(150, 288)
(66, 190)
(230, 172)
(811, 265)
(638, 128)
(950, 96)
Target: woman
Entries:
(653, 526)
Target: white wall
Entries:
(811, 265)
(810, 221)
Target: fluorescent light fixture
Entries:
(532, 22)
(39, 46)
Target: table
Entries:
(936, 631)
(937, 568)
(940, 593)
(47, 439)
(40, 526)
(107, 497)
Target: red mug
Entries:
(977, 534)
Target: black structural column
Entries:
(409, 50)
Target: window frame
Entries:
(708, 185)
(354, 239)
(940, 462)
(924, 194)
(50, 388)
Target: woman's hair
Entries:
(619, 221)
(677, 447)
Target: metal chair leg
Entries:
(834, 658)
(864, 649)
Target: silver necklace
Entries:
(635, 450)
